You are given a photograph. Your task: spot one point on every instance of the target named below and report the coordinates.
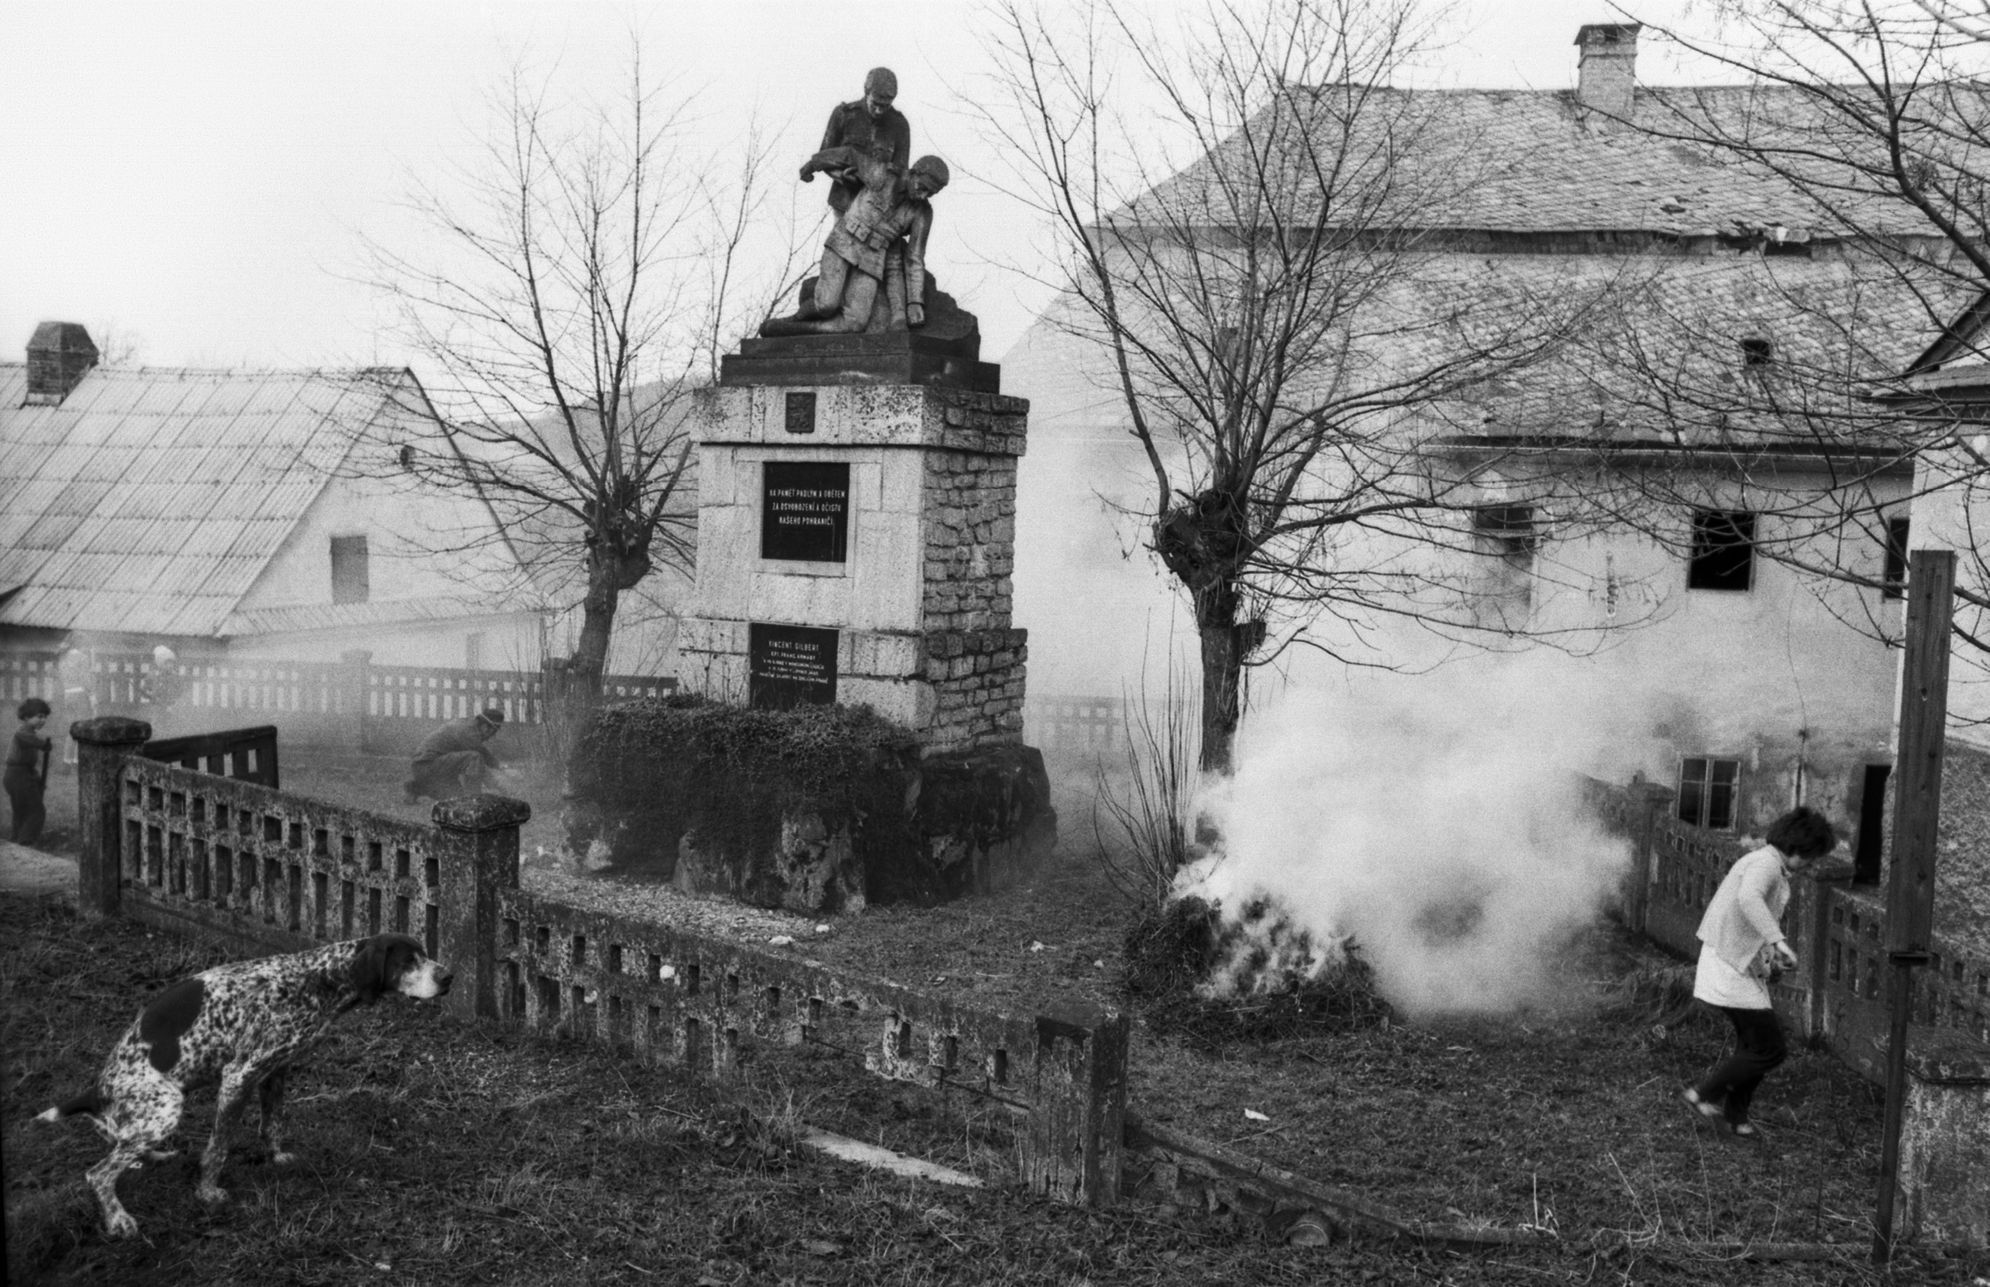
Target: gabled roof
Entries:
(1670, 365)
(149, 500)
(1528, 161)
(1691, 312)
(1961, 338)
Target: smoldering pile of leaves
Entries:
(1256, 977)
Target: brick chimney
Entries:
(58, 355)
(1606, 72)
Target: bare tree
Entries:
(117, 343)
(1254, 226)
(1874, 115)
(568, 299)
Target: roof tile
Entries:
(150, 499)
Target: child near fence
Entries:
(27, 771)
(1741, 950)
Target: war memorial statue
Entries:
(879, 238)
(871, 125)
(856, 537)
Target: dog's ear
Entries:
(369, 969)
(379, 964)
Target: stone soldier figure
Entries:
(870, 125)
(892, 204)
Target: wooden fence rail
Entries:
(351, 705)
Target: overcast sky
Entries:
(195, 175)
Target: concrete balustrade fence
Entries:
(1076, 726)
(1836, 995)
(269, 871)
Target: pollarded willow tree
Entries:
(567, 296)
(1254, 228)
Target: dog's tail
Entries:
(91, 1103)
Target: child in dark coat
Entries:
(27, 770)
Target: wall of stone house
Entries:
(420, 545)
(1774, 676)
(1101, 610)
(412, 557)
(502, 641)
(1949, 513)
(1962, 855)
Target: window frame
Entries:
(1514, 529)
(352, 574)
(1893, 568)
(1700, 800)
(1705, 556)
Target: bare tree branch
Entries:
(573, 292)
(1254, 250)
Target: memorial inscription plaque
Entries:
(805, 510)
(789, 666)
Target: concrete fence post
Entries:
(1072, 1145)
(103, 745)
(477, 856)
(1944, 1173)
(351, 698)
(1815, 894)
(1647, 800)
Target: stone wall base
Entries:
(972, 821)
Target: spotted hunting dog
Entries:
(243, 1025)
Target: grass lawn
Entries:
(437, 1153)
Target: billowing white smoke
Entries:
(1436, 823)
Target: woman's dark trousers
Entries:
(1758, 1047)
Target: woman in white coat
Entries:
(1741, 943)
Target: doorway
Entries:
(1872, 825)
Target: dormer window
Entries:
(1757, 352)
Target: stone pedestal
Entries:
(856, 537)
(1945, 1139)
(885, 513)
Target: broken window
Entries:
(1707, 789)
(1893, 577)
(1723, 555)
(349, 569)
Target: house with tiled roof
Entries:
(227, 514)
(1731, 677)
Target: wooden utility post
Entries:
(1917, 807)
